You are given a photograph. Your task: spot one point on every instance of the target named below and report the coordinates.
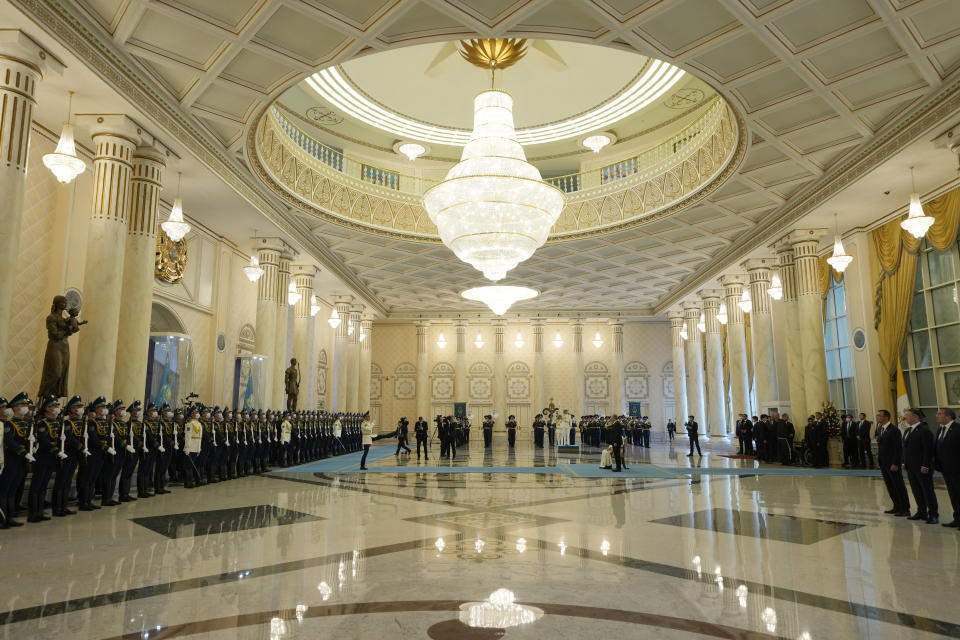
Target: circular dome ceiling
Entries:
(562, 90)
(327, 145)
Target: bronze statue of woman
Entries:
(56, 361)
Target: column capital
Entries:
(732, 281)
(759, 264)
(18, 45)
(709, 295)
(304, 270)
(691, 309)
(799, 237)
(733, 288)
(676, 317)
(113, 124)
(261, 243)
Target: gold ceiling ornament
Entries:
(171, 259)
(493, 53)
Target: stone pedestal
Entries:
(679, 369)
(133, 340)
(106, 244)
(693, 354)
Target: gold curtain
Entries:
(893, 268)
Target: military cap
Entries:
(73, 402)
(49, 401)
(153, 407)
(134, 406)
(96, 404)
(117, 404)
(3, 401)
(20, 398)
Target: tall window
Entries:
(931, 351)
(836, 343)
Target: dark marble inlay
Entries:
(203, 523)
(761, 525)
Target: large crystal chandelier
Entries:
(493, 210)
(499, 299)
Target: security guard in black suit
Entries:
(421, 432)
(614, 434)
(918, 460)
(890, 457)
(948, 459)
(693, 432)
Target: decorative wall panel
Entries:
(667, 376)
(376, 384)
(405, 381)
(635, 381)
(480, 382)
(441, 382)
(596, 381)
(518, 383)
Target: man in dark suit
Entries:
(785, 434)
(694, 435)
(848, 432)
(890, 457)
(864, 448)
(948, 459)
(918, 458)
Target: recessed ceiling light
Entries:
(597, 141)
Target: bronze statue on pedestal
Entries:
(291, 379)
(56, 361)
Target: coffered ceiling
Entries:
(822, 86)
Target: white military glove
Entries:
(61, 455)
(130, 448)
(30, 457)
(162, 450)
(111, 451)
(86, 451)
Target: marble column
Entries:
(460, 392)
(716, 393)
(761, 332)
(280, 332)
(338, 396)
(20, 71)
(788, 277)
(499, 373)
(737, 345)
(580, 380)
(133, 340)
(268, 253)
(810, 316)
(114, 140)
(305, 335)
(616, 360)
(539, 396)
(353, 360)
(363, 393)
(423, 370)
(693, 354)
(679, 369)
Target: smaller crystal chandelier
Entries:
(314, 306)
(746, 303)
(441, 341)
(557, 340)
(839, 260)
(334, 319)
(776, 287)
(478, 343)
(702, 324)
(917, 223)
(597, 340)
(293, 296)
(412, 150)
(722, 313)
(499, 298)
(253, 271)
(175, 227)
(597, 141)
(683, 332)
(64, 162)
(518, 343)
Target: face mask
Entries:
(55, 411)
(167, 414)
(102, 412)
(7, 413)
(152, 415)
(21, 411)
(124, 415)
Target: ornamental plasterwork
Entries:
(441, 386)
(405, 381)
(376, 383)
(480, 381)
(635, 381)
(596, 381)
(668, 380)
(662, 188)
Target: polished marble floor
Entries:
(495, 544)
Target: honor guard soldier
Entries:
(96, 440)
(16, 449)
(167, 445)
(223, 445)
(487, 431)
(551, 429)
(149, 449)
(243, 442)
(538, 427)
(195, 437)
(132, 433)
(47, 437)
(113, 462)
(233, 431)
(645, 428)
(72, 449)
(177, 463)
(286, 434)
(511, 430)
(208, 447)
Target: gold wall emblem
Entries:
(171, 259)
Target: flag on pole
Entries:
(903, 402)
